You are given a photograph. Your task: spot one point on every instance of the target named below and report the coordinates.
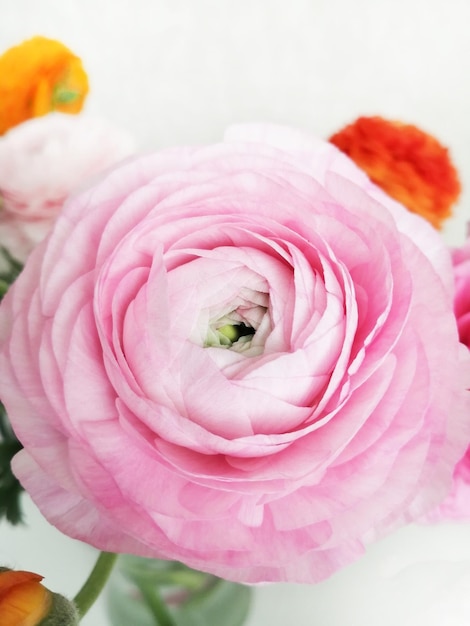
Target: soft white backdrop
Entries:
(179, 71)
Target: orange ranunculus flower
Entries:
(23, 600)
(39, 76)
(407, 163)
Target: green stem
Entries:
(155, 604)
(95, 582)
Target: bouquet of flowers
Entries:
(243, 361)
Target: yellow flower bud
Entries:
(38, 76)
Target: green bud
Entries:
(63, 96)
(63, 612)
(229, 331)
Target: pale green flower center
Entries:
(241, 330)
(229, 334)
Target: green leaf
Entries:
(149, 592)
(11, 273)
(10, 488)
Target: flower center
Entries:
(228, 334)
(237, 329)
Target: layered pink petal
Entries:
(243, 356)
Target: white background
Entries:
(179, 71)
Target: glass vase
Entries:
(150, 592)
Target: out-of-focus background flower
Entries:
(178, 71)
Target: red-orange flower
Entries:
(407, 163)
(23, 600)
(39, 76)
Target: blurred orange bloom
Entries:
(39, 76)
(23, 600)
(407, 163)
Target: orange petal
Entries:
(25, 604)
(407, 163)
(41, 99)
(11, 578)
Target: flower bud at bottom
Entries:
(62, 613)
(24, 601)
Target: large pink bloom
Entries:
(42, 161)
(240, 356)
(457, 504)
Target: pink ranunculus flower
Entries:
(457, 505)
(42, 161)
(461, 265)
(240, 356)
